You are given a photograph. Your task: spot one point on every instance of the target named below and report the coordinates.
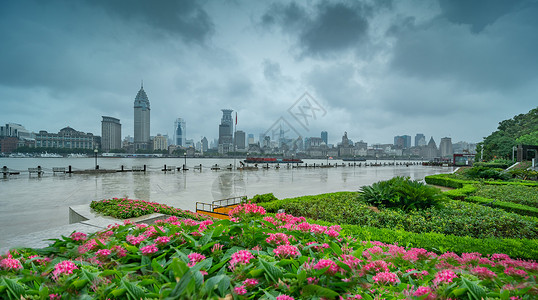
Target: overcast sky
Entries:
(375, 69)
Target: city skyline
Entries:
(374, 69)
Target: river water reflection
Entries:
(29, 203)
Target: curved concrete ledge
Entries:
(81, 218)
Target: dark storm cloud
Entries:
(500, 57)
(478, 13)
(330, 28)
(186, 18)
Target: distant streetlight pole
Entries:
(185, 156)
(95, 152)
(327, 159)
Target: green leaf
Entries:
(316, 290)
(182, 284)
(135, 291)
(119, 292)
(43, 292)
(212, 282)
(217, 266)
(78, 284)
(206, 238)
(256, 272)
(224, 286)
(14, 287)
(273, 272)
(460, 291)
(178, 267)
(505, 295)
(336, 249)
(156, 266)
(219, 229)
(476, 291)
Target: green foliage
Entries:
(528, 139)
(263, 198)
(445, 180)
(507, 206)
(451, 218)
(523, 174)
(499, 144)
(483, 172)
(519, 194)
(402, 193)
(497, 163)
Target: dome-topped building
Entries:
(141, 121)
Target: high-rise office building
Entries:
(240, 140)
(141, 121)
(180, 132)
(420, 140)
(226, 132)
(110, 134)
(204, 144)
(250, 139)
(445, 147)
(325, 137)
(402, 141)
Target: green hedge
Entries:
(508, 206)
(461, 193)
(444, 180)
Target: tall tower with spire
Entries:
(141, 120)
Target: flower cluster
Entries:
(65, 267)
(246, 209)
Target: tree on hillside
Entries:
(521, 129)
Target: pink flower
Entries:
(278, 239)
(424, 290)
(162, 240)
(286, 251)
(55, 296)
(78, 236)
(353, 297)
(103, 252)
(324, 263)
(133, 240)
(386, 278)
(312, 280)
(241, 257)
(216, 247)
(285, 297)
(240, 290)
(10, 264)
(250, 282)
(515, 272)
(149, 249)
(332, 233)
(444, 276)
(195, 258)
(120, 251)
(483, 273)
(65, 267)
(376, 266)
(350, 260)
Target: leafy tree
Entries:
(528, 139)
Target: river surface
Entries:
(29, 203)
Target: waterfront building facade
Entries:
(160, 142)
(110, 134)
(240, 140)
(66, 138)
(420, 140)
(141, 121)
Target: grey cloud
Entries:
(186, 18)
(331, 27)
(478, 13)
(271, 70)
(489, 60)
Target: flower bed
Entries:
(281, 257)
(453, 217)
(124, 208)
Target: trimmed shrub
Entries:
(508, 206)
(445, 180)
(402, 193)
(482, 172)
(263, 198)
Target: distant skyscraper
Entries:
(250, 138)
(141, 120)
(402, 141)
(325, 137)
(240, 140)
(420, 140)
(110, 134)
(445, 147)
(226, 131)
(180, 132)
(204, 144)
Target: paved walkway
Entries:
(83, 219)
